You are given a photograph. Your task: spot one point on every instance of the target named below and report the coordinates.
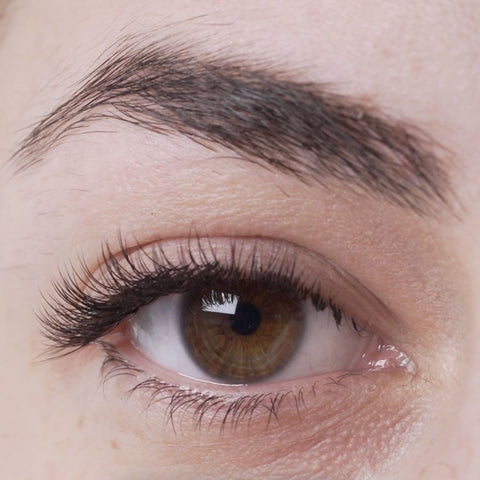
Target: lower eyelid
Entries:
(377, 359)
(314, 414)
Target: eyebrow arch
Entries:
(259, 113)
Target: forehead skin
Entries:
(416, 60)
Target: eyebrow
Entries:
(259, 113)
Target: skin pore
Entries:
(404, 242)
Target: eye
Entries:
(219, 331)
(248, 333)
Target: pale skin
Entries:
(415, 61)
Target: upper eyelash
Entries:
(87, 306)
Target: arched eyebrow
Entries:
(259, 113)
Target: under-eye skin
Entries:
(221, 330)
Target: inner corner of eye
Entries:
(253, 335)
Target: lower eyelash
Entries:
(223, 411)
(182, 400)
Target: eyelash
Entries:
(230, 411)
(89, 305)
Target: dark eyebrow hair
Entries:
(260, 114)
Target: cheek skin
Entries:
(344, 431)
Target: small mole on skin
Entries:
(114, 445)
(80, 423)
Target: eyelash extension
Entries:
(87, 305)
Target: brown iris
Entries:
(242, 335)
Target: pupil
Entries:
(246, 319)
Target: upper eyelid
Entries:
(85, 299)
